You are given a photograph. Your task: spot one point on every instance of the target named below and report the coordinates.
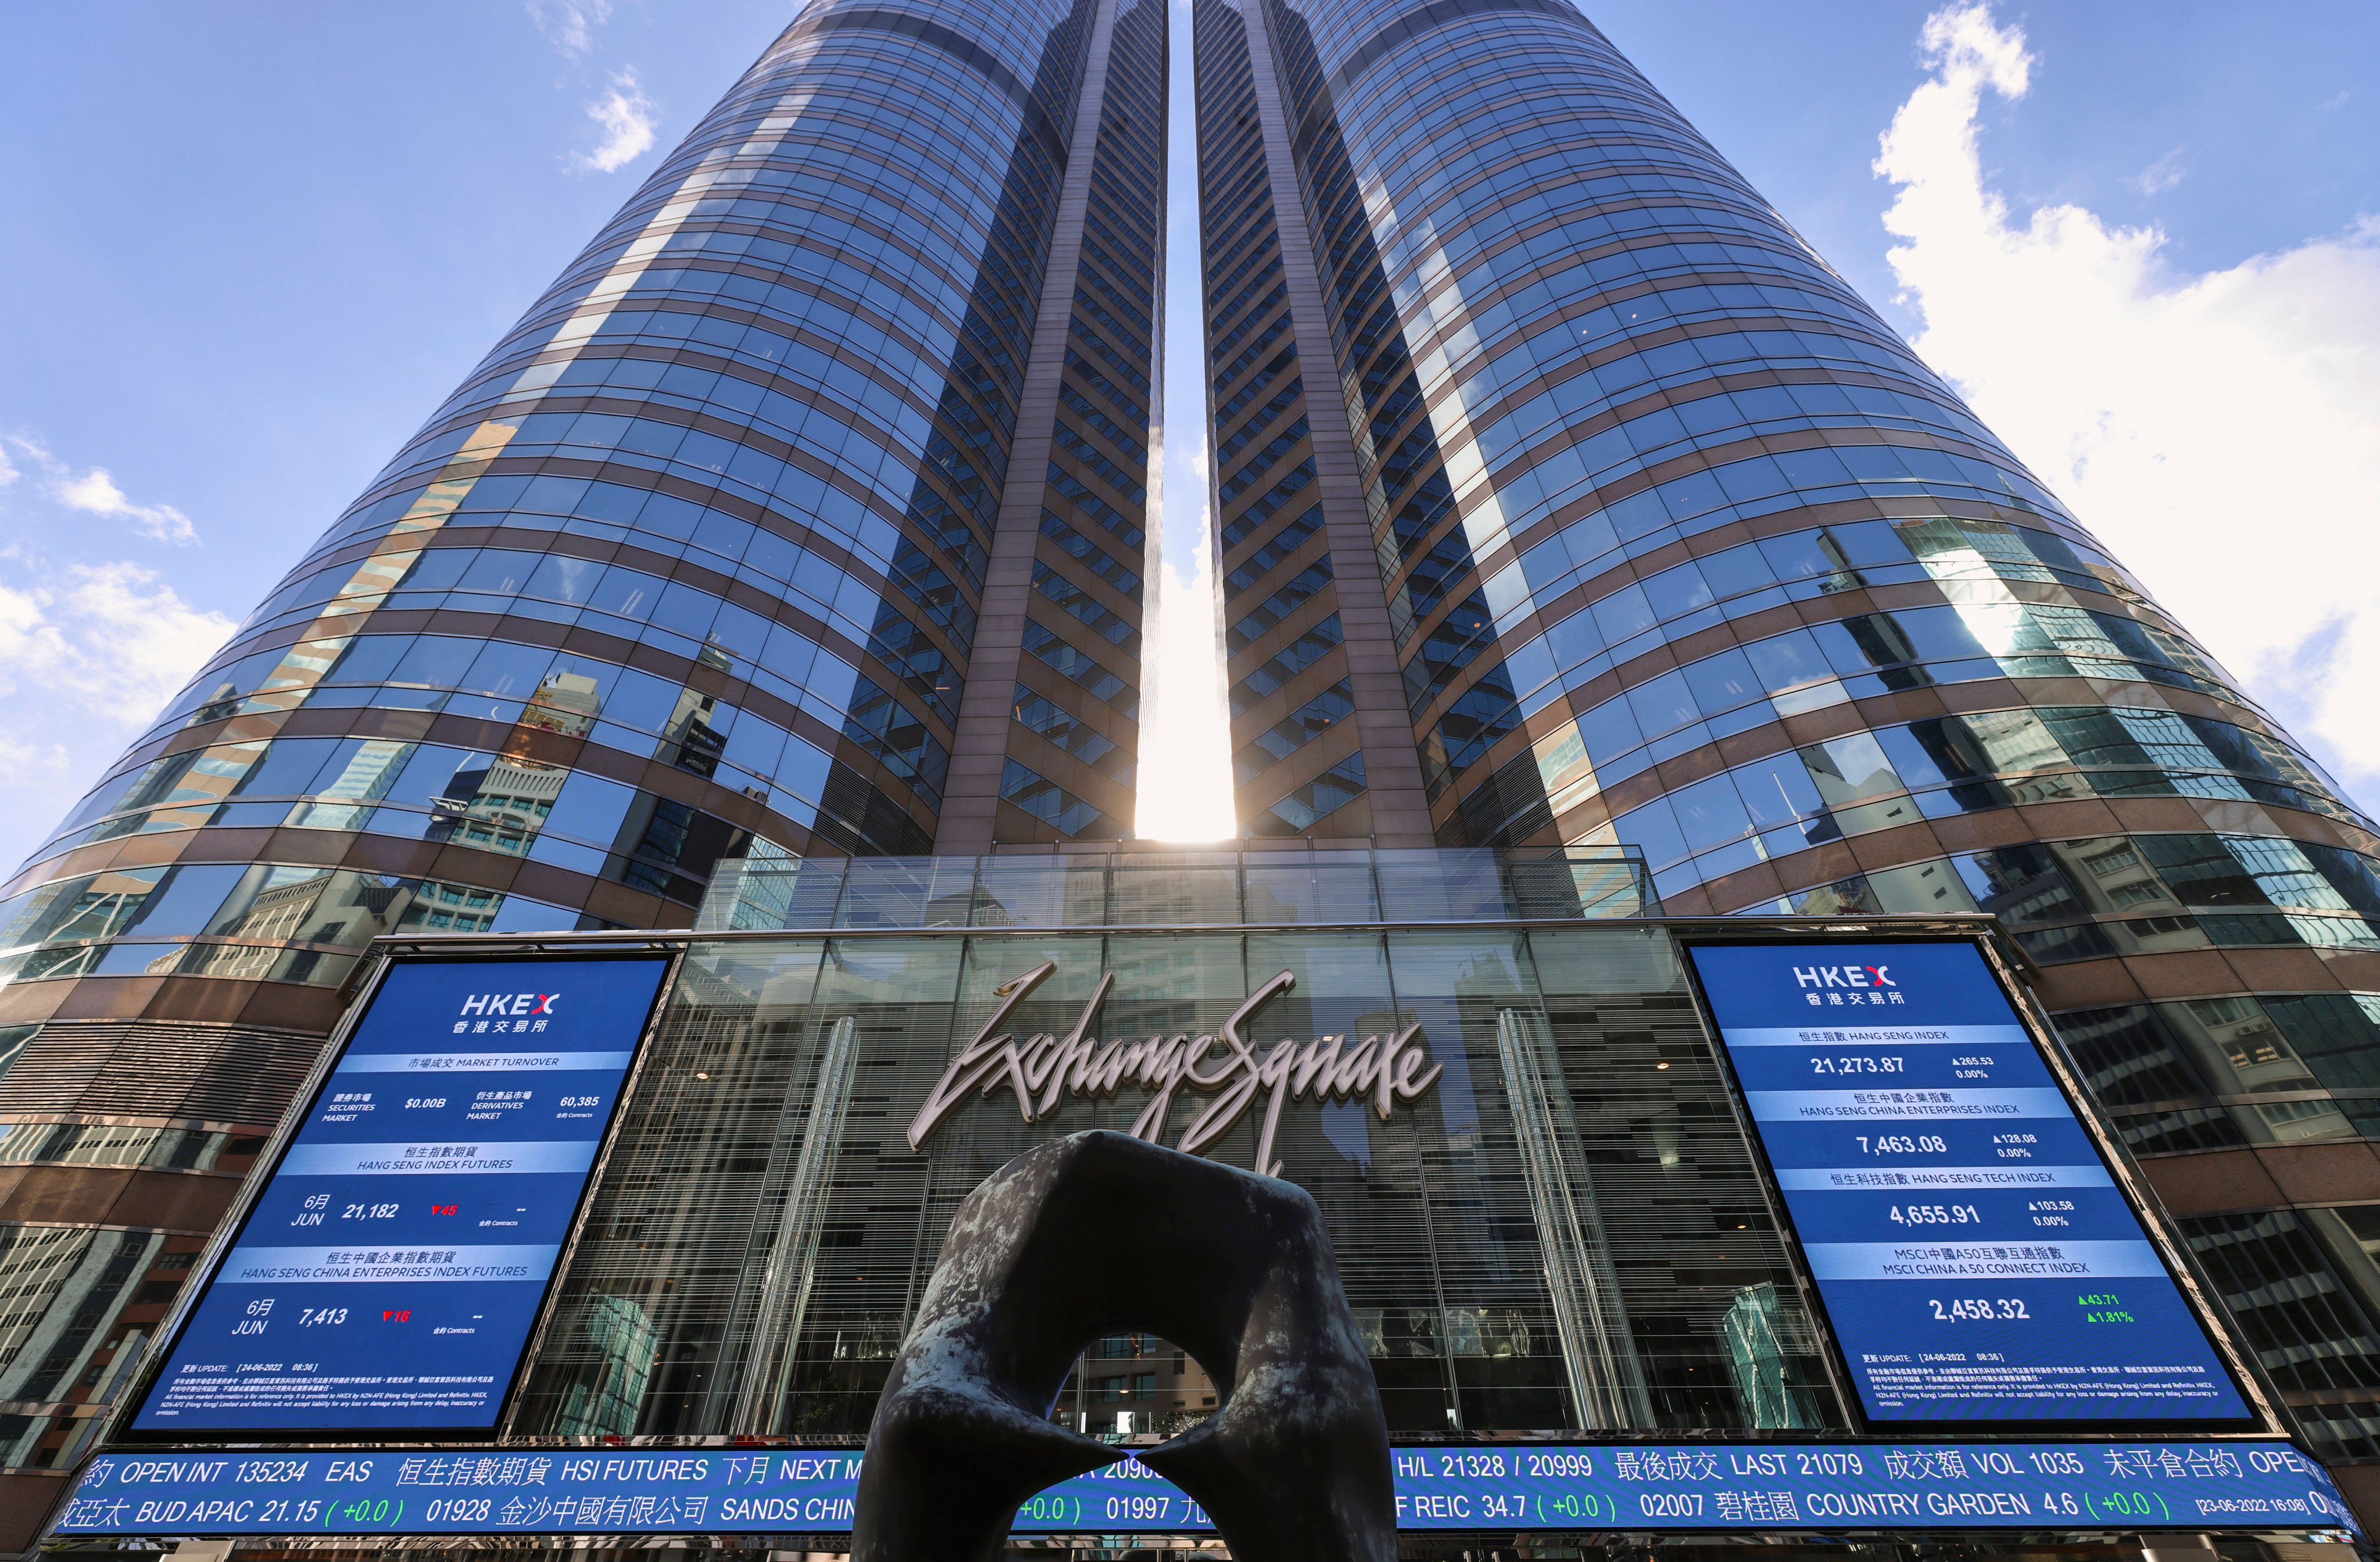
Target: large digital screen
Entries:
(1744, 1487)
(1976, 1259)
(397, 1259)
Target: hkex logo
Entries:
(511, 1002)
(1843, 976)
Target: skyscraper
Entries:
(805, 512)
(1562, 496)
(1682, 547)
(701, 555)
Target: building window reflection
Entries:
(2304, 1288)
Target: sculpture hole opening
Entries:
(1134, 1385)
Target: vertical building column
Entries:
(1383, 724)
(979, 746)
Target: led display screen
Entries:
(1719, 1486)
(396, 1261)
(1974, 1256)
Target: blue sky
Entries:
(251, 247)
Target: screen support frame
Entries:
(2247, 1374)
(116, 1432)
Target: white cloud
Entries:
(112, 638)
(627, 116)
(569, 25)
(2161, 175)
(87, 656)
(32, 757)
(94, 493)
(2219, 430)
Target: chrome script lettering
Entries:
(1044, 1067)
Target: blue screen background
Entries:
(393, 1267)
(1976, 1259)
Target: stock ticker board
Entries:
(1740, 1487)
(1976, 1259)
(392, 1268)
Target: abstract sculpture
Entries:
(1099, 1233)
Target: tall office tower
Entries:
(1047, 729)
(1682, 547)
(1321, 742)
(804, 514)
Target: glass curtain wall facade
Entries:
(1047, 730)
(702, 561)
(1684, 549)
(767, 1148)
(1321, 746)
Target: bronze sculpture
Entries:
(1097, 1232)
